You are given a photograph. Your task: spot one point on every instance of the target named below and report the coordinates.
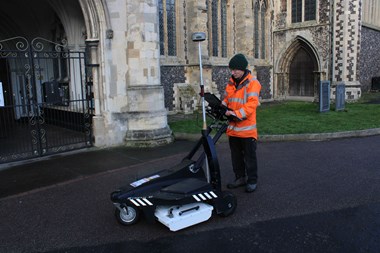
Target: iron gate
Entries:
(45, 99)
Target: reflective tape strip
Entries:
(201, 196)
(204, 196)
(148, 202)
(245, 95)
(239, 129)
(196, 198)
(236, 100)
(243, 84)
(141, 202)
(134, 202)
(244, 100)
(213, 194)
(252, 94)
(242, 112)
(207, 195)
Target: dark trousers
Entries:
(243, 156)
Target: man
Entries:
(242, 98)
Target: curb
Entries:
(294, 137)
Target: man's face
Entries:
(237, 73)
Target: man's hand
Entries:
(230, 113)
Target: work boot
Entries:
(250, 187)
(237, 183)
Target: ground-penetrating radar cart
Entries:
(188, 193)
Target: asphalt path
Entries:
(313, 196)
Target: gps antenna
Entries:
(199, 37)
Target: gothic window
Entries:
(296, 11)
(167, 24)
(259, 26)
(218, 25)
(223, 29)
(310, 9)
(371, 12)
(256, 27)
(214, 21)
(303, 10)
(161, 26)
(262, 15)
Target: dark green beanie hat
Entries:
(238, 62)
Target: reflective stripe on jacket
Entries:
(243, 100)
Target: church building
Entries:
(82, 73)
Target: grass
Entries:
(292, 117)
(191, 124)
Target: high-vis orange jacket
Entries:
(243, 100)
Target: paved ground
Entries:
(25, 176)
(317, 193)
(313, 196)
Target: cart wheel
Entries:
(128, 216)
(230, 204)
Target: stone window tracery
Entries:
(259, 26)
(218, 27)
(167, 26)
(303, 10)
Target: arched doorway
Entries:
(48, 93)
(298, 71)
(301, 74)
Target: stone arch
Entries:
(94, 14)
(98, 29)
(57, 80)
(96, 17)
(302, 53)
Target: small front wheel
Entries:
(229, 205)
(127, 215)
